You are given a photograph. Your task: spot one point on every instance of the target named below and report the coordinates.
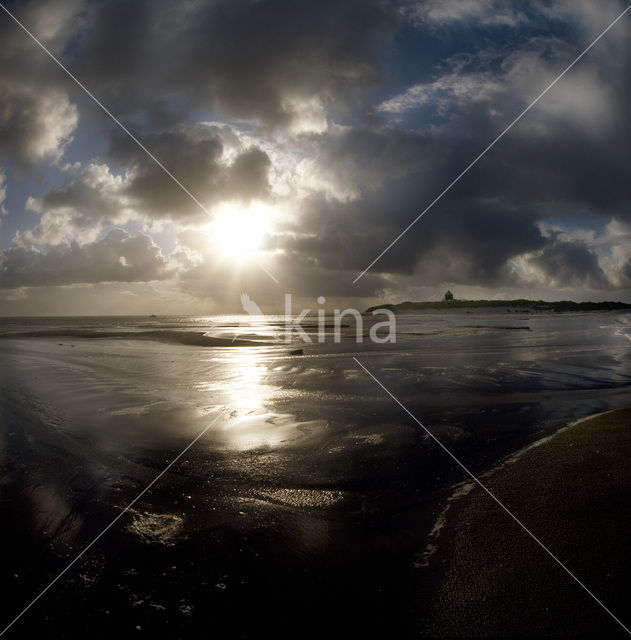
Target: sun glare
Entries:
(239, 230)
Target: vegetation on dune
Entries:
(522, 304)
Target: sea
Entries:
(199, 476)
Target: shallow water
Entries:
(312, 491)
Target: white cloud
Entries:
(589, 17)
(616, 252)
(581, 97)
(36, 123)
(446, 92)
(94, 198)
(80, 208)
(484, 12)
(579, 257)
(119, 256)
(504, 83)
(37, 118)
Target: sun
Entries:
(238, 230)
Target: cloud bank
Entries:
(343, 119)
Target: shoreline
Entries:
(571, 490)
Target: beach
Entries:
(572, 492)
(279, 282)
(313, 504)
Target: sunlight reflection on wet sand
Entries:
(248, 395)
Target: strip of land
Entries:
(517, 305)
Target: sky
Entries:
(288, 143)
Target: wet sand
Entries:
(191, 338)
(303, 511)
(572, 492)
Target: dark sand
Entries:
(192, 338)
(573, 492)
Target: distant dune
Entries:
(521, 304)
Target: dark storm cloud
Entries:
(571, 150)
(154, 61)
(466, 241)
(289, 73)
(196, 160)
(569, 154)
(97, 197)
(34, 125)
(117, 257)
(243, 58)
(394, 175)
(364, 157)
(569, 264)
(37, 116)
